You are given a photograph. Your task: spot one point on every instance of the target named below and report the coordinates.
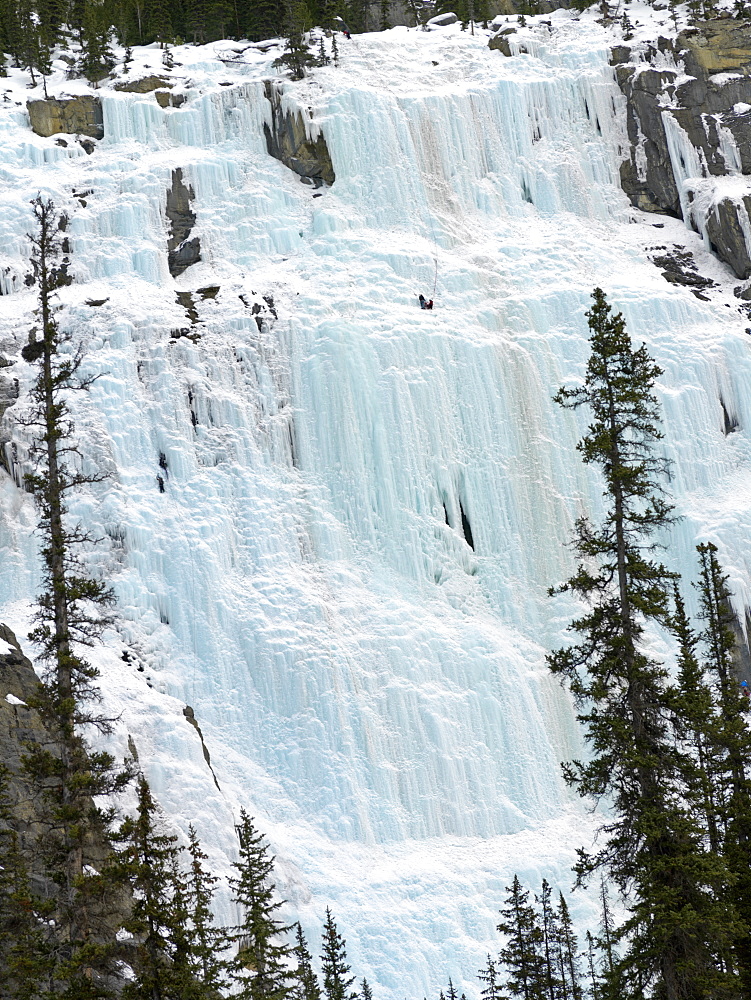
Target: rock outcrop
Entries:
(8, 386)
(74, 115)
(181, 250)
(287, 139)
(689, 121)
(159, 86)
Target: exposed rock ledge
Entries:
(287, 140)
(689, 121)
(74, 115)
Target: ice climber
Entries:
(429, 304)
(422, 300)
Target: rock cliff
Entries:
(288, 140)
(75, 116)
(181, 251)
(689, 127)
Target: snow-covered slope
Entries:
(368, 685)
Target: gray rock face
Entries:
(500, 42)
(159, 86)
(287, 140)
(8, 386)
(75, 116)
(181, 251)
(18, 723)
(701, 112)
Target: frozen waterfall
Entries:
(370, 686)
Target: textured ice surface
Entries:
(369, 686)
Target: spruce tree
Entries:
(679, 918)
(491, 984)
(523, 954)
(260, 966)
(568, 950)
(733, 738)
(304, 984)
(594, 982)
(550, 942)
(695, 724)
(71, 612)
(365, 991)
(149, 860)
(206, 942)
(297, 56)
(337, 982)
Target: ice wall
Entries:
(369, 685)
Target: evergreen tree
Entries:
(594, 985)
(491, 989)
(337, 982)
(261, 962)
(550, 943)
(568, 950)
(523, 955)
(149, 860)
(695, 724)
(297, 56)
(305, 984)
(733, 739)
(206, 942)
(679, 916)
(96, 55)
(365, 991)
(71, 612)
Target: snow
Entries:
(13, 700)
(5, 648)
(369, 687)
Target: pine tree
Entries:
(96, 55)
(491, 989)
(261, 962)
(733, 739)
(695, 724)
(305, 984)
(365, 991)
(71, 612)
(550, 944)
(522, 955)
(568, 949)
(594, 983)
(679, 918)
(337, 983)
(297, 56)
(323, 58)
(149, 860)
(206, 942)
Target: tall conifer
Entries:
(679, 920)
(261, 964)
(523, 953)
(734, 739)
(337, 981)
(71, 612)
(305, 984)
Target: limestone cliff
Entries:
(75, 116)
(689, 124)
(288, 140)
